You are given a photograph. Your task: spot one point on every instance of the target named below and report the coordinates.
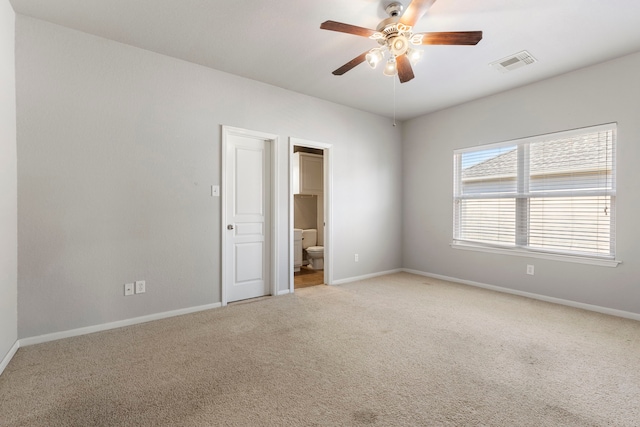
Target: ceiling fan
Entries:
(395, 37)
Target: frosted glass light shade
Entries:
(374, 57)
(390, 68)
(414, 55)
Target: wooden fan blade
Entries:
(452, 37)
(405, 72)
(415, 11)
(346, 28)
(351, 64)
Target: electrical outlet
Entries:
(355, 258)
(530, 269)
(140, 287)
(128, 289)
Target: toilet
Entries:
(315, 254)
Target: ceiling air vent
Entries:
(514, 61)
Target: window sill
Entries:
(532, 254)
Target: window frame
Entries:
(523, 196)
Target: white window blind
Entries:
(553, 193)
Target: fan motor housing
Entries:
(386, 23)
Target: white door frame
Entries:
(328, 211)
(272, 141)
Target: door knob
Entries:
(230, 227)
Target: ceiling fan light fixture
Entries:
(416, 39)
(390, 68)
(414, 55)
(398, 45)
(374, 57)
(396, 39)
(403, 28)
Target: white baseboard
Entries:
(285, 292)
(569, 303)
(366, 276)
(113, 325)
(7, 358)
(157, 316)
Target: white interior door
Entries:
(247, 251)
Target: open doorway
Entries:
(310, 214)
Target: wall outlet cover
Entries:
(140, 287)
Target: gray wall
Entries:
(608, 92)
(8, 185)
(117, 148)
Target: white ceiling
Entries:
(280, 42)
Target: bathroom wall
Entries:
(320, 220)
(305, 211)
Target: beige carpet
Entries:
(399, 350)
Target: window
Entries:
(549, 194)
